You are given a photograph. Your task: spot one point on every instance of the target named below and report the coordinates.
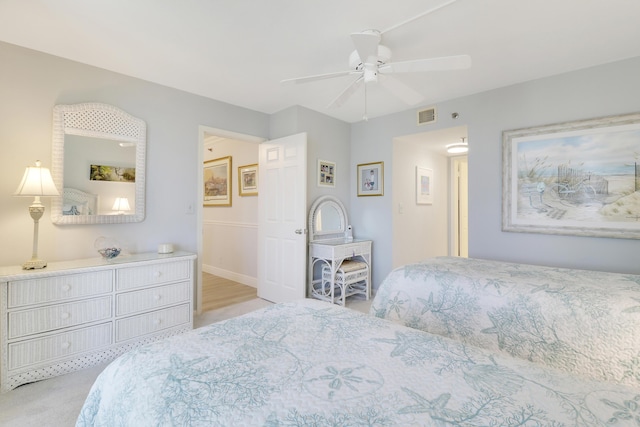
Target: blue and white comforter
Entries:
(584, 322)
(313, 364)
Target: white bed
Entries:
(313, 363)
(78, 202)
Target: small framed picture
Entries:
(248, 180)
(217, 182)
(424, 186)
(326, 174)
(371, 179)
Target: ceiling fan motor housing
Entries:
(355, 63)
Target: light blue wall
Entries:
(31, 83)
(595, 92)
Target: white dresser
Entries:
(75, 314)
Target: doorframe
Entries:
(454, 205)
(202, 130)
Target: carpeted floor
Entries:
(56, 402)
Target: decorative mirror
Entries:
(98, 165)
(327, 219)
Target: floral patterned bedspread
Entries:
(583, 322)
(310, 363)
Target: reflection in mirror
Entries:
(98, 159)
(98, 167)
(327, 218)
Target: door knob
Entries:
(300, 231)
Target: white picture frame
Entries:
(326, 173)
(424, 186)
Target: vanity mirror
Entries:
(98, 160)
(327, 218)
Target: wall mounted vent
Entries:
(427, 115)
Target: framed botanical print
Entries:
(217, 182)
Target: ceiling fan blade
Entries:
(346, 94)
(433, 9)
(401, 90)
(366, 44)
(458, 62)
(313, 78)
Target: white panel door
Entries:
(282, 215)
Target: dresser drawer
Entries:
(52, 317)
(135, 277)
(58, 288)
(351, 250)
(147, 323)
(146, 299)
(40, 350)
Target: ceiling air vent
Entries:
(427, 116)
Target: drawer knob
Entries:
(157, 274)
(66, 288)
(66, 344)
(65, 315)
(157, 297)
(157, 321)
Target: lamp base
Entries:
(34, 264)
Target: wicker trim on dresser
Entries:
(85, 361)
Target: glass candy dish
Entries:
(107, 247)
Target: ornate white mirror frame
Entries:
(327, 205)
(100, 121)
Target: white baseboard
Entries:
(231, 275)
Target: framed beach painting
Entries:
(217, 182)
(370, 179)
(112, 173)
(248, 180)
(579, 178)
(424, 186)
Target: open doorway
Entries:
(422, 230)
(226, 269)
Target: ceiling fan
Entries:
(370, 63)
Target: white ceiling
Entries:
(237, 51)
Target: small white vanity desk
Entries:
(338, 266)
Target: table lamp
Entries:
(36, 182)
(120, 205)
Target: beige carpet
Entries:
(56, 402)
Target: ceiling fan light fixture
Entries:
(370, 73)
(458, 147)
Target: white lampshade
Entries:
(121, 204)
(36, 181)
